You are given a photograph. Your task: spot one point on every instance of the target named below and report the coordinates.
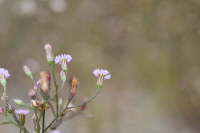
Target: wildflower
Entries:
(22, 113)
(63, 59)
(4, 74)
(75, 84)
(101, 74)
(49, 53)
(27, 71)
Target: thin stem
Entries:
(86, 101)
(5, 123)
(43, 120)
(35, 97)
(58, 92)
(56, 86)
(68, 87)
(5, 98)
(38, 122)
(57, 117)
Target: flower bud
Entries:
(1, 110)
(19, 102)
(60, 102)
(49, 54)
(63, 76)
(75, 84)
(27, 71)
(43, 81)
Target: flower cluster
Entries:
(42, 96)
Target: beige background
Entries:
(151, 48)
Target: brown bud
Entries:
(74, 85)
(43, 81)
(34, 103)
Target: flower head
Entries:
(63, 59)
(4, 73)
(3, 76)
(22, 111)
(101, 74)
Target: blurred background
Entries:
(150, 47)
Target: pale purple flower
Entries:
(22, 111)
(4, 73)
(62, 58)
(101, 74)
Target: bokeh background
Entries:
(151, 48)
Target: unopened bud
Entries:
(35, 88)
(43, 81)
(31, 93)
(19, 102)
(1, 110)
(49, 76)
(49, 54)
(63, 76)
(75, 84)
(27, 71)
(60, 102)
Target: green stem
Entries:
(38, 122)
(56, 86)
(5, 123)
(87, 100)
(4, 87)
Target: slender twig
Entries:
(85, 101)
(56, 87)
(43, 120)
(55, 94)
(6, 123)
